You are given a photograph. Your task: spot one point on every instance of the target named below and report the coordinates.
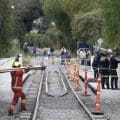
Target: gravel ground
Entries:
(59, 108)
(110, 104)
(110, 100)
(4, 105)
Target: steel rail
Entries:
(46, 85)
(38, 97)
(63, 85)
(80, 101)
(46, 82)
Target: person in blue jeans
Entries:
(63, 57)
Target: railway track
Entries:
(86, 102)
(52, 97)
(55, 85)
(59, 103)
(33, 94)
(58, 99)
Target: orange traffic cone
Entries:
(74, 72)
(86, 85)
(97, 105)
(68, 68)
(77, 81)
(75, 67)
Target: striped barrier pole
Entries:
(86, 85)
(68, 68)
(97, 104)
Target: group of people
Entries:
(25, 48)
(48, 52)
(106, 65)
(84, 56)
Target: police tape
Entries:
(77, 60)
(115, 76)
(107, 69)
(68, 59)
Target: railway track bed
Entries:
(51, 96)
(53, 100)
(59, 106)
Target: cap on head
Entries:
(16, 64)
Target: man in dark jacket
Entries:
(104, 70)
(95, 65)
(113, 66)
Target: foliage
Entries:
(87, 27)
(6, 27)
(39, 40)
(111, 13)
(56, 13)
(73, 7)
(24, 16)
(52, 37)
(75, 20)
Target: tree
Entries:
(24, 16)
(86, 20)
(87, 27)
(6, 27)
(56, 13)
(111, 13)
(74, 7)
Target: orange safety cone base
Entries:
(97, 104)
(98, 113)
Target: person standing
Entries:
(48, 52)
(25, 48)
(34, 51)
(104, 70)
(78, 54)
(83, 57)
(16, 86)
(52, 51)
(63, 55)
(95, 65)
(113, 72)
